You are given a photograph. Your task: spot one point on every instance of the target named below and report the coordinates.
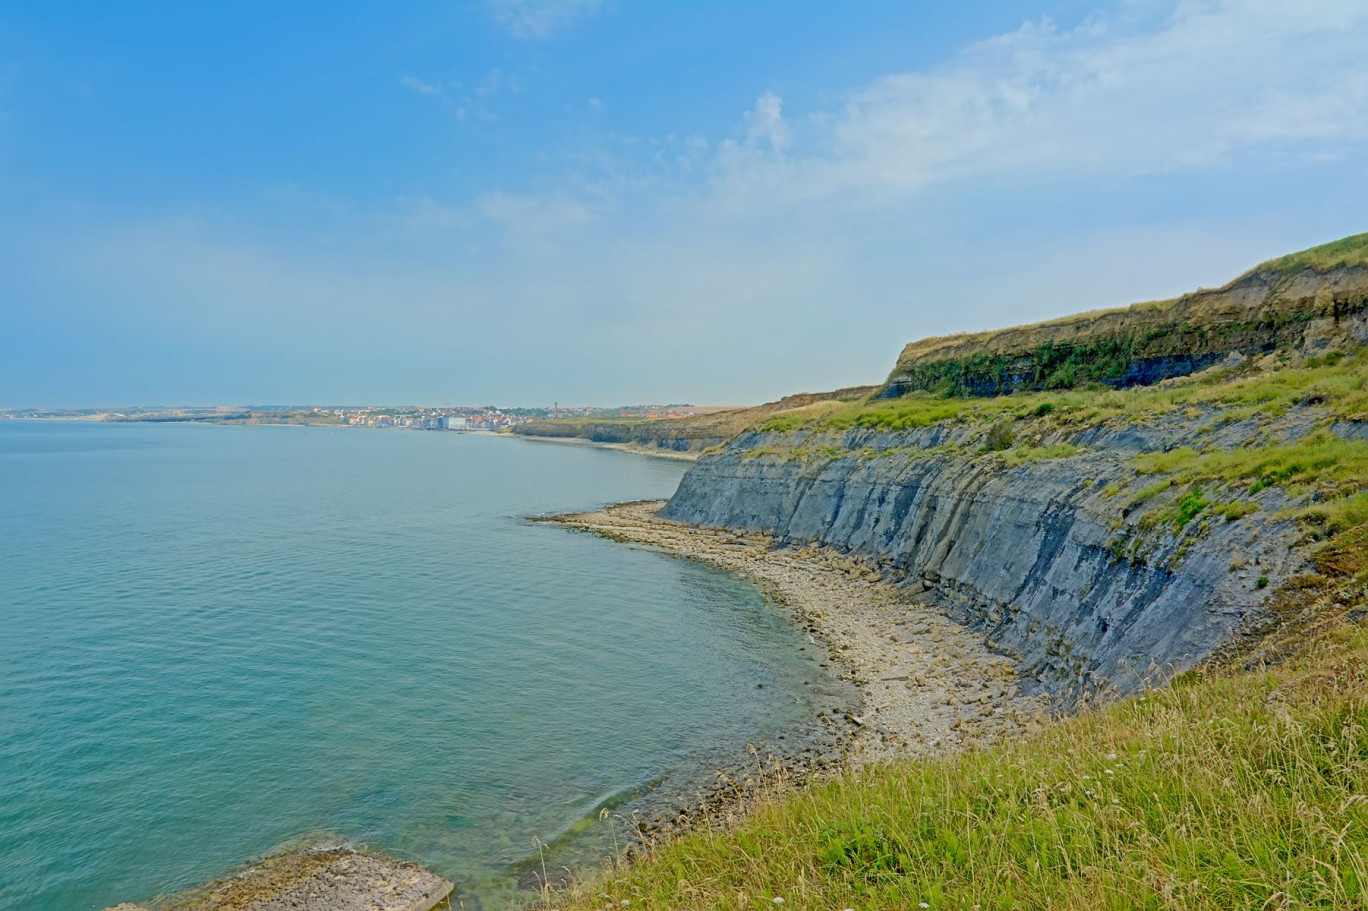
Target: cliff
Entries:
(1057, 566)
(1310, 300)
(1105, 538)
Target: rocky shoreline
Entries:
(922, 684)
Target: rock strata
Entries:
(1062, 563)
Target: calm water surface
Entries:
(216, 639)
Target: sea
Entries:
(217, 640)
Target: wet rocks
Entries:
(318, 878)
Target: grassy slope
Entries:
(1347, 251)
(1226, 790)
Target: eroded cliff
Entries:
(1103, 536)
(1274, 307)
(1062, 561)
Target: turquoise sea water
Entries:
(216, 639)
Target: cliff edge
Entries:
(1313, 300)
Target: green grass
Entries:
(916, 410)
(1319, 460)
(1233, 512)
(1225, 791)
(1189, 506)
(1339, 384)
(1023, 455)
(1336, 516)
(1335, 470)
(1347, 251)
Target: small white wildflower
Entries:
(922, 905)
(625, 902)
(1109, 771)
(1111, 756)
(777, 900)
(1115, 801)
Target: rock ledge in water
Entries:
(317, 879)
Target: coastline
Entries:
(634, 448)
(903, 681)
(920, 684)
(927, 685)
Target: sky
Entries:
(617, 201)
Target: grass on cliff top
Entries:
(1320, 460)
(1226, 790)
(1335, 470)
(1347, 251)
(1338, 383)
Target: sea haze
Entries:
(217, 639)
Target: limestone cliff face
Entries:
(1053, 560)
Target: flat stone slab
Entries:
(317, 879)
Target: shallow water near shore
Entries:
(217, 639)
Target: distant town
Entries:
(487, 418)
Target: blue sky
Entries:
(604, 201)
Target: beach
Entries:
(925, 685)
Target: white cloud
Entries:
(765, 124)
(421, 87)
(540, 19)
(1120, 94)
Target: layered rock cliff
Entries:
(1112, 546)
(1052, 559)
